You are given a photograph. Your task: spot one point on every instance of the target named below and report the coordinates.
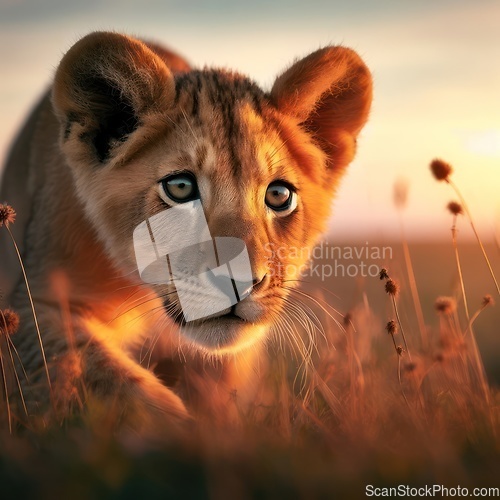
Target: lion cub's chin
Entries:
(224, 335)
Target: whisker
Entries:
(323, 289)
(303, 320)
(311, 315)
(152, 299)
(156, 337)
(302, 349)
(321, 306)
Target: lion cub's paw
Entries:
(132, 396)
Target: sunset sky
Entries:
(436, 66)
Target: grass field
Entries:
(436, 275)
(331, 426)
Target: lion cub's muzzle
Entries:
(211, 275)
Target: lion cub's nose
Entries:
(257, 284)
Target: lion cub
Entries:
(133, 145)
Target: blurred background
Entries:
(437, 79)
(435, 66)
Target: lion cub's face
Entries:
(263, 167)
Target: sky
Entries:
(436, 68)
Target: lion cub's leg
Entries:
(135, 394)
(101, 373)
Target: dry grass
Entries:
(358, 410)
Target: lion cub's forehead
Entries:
(227, 126)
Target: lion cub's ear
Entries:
(330, 93)
(105, 84)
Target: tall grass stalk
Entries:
(18, 382)
(459, 266)
(456, 210)
(6, 390)
(414, 293)
(400, 200)
(10, 347)
(476, 234)
(392, 289)
(30, 297)
(442, 172)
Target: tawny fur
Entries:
(84, 173)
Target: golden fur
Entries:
(84, 173)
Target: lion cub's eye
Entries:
(281, 198)
(179, 188)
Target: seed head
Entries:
(445, 305)
(488, 301)
(9, 322)
(391, 287)
(347, 320)
(391, 327)
(455, 208)
(411, 367)
(440, 169)
(400, 350)
(7, 215)
(383, 274)
(439, 357)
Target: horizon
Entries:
(435, 88)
